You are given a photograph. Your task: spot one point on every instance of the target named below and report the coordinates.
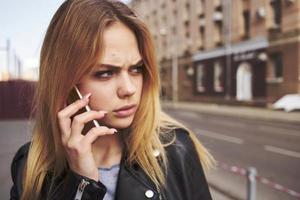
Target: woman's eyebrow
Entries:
(103, 65)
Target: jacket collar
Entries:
(132, 180)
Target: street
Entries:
(13, 134)
(272, 148)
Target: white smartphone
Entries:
(74, 96)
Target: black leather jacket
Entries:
(185, 178)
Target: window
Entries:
(201, 41)
(175, 12)
(218, 77)
(201, 78)
(164, 18)
(187, 24)
(164, 43)
(187, 6)
(187, 29)
(218, 19)
(276, 6)
(202, 35)
(174, 29)
(276, 67)
(187, 34)
(219, 33)
(246, 17)
(203, 2)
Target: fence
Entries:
(15, 99)
(252, 177)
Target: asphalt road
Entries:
(13, 134)
(271, 147)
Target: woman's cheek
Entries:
(100, 102)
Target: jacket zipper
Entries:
(80, 189)
(159, 193)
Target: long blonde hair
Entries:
(71, 47)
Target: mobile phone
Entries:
(74, 96)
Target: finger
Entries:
(64, 116)
(71, 109)
(65, 128)
(96, 132)
(80, 120)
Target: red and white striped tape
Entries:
(234, 169)
(277, 186)
(243, 172)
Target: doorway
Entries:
(244, 82)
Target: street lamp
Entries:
(227, 33)
(18, 66)
(174, 40)
(7, 49)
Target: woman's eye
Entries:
(138, 69)
(104, 74)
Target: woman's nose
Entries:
(126, 86)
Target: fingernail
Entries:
(87, 96)
(114, 130)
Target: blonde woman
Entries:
(138, 152)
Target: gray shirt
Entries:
(109, 177)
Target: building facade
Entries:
(225, 51)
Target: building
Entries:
(225, 51)
(284, 51)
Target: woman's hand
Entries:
(78, 147)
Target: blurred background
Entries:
(230, 71)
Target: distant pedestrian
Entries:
(123, 146)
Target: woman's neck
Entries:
(107, 150)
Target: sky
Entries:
(24, 23)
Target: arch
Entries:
(244, 82)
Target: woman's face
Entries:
(116, 83)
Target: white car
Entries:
(288, 102)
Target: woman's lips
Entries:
(125, 111)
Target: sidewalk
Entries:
(216, 195)
(224, 185)
(238, 111)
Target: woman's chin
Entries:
(119, 124)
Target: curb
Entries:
(237, 111)
(223, 192)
